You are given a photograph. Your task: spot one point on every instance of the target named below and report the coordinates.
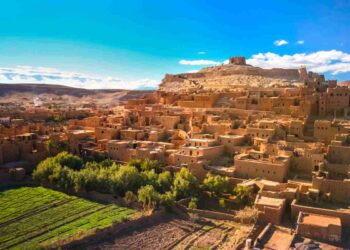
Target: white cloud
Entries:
(201, 53)
(198, 62)
(331, 61)
(29, 74)
(192, 71)
(300, 42)
(280, 42)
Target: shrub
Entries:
(247, 215)
(244, 194)
(222, 203)
(193, 203)
(130, 197)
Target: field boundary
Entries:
(101, 233)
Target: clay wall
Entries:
(339, 190)
(323, 130)
(130, 134)
(261, 169)
(106, 133)
(339, 154)
(344, 215)
(216, 128)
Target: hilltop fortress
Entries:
(294, 92)
(232, 75)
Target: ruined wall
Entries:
(344, 215)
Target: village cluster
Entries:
(290, 143)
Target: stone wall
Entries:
(344, 215)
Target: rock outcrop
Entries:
(227, 76)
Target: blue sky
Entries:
(133, 44)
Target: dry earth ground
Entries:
(175, 232)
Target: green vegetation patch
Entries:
(31, 217)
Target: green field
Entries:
(31, 217)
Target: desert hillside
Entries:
(27, 93)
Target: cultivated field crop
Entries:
(31, 217)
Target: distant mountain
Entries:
(26, 93)
(344, 83)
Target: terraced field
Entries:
(31, 217)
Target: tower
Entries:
(237, 60)
(303, 73)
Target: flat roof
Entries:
(231, 136)
(202, 139)
(269, 183)
(80, 131)
(320, 220)
(268, 201)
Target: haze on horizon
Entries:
(133, 44)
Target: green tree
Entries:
(148, 196)
(148, 165)
(69, 160)
(185, 184)
(51, 146)
(135, 163)
(130, 197)
(63, 178)
(55, 147)
(103, 180)
(63, 146)
(167, 199)
(165, 180)
(244, 194)
(106, 163)
(57, 118)
(127, 178)
(217, 184)
(79, 182)
(150, 177)
(44, 170)
(93, 165)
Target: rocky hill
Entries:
(26, 93)
(228, 76)
(344, 83)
